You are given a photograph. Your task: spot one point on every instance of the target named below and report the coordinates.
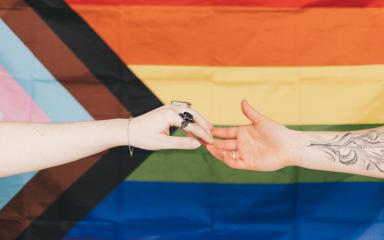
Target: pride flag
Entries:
(310, 64)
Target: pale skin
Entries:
(262, 145)
(29, 147)
(265, 145)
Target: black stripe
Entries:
(116, 165)
(83, 195)
(96, 55)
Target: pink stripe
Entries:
(15, 103)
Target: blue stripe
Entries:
(144, 210)
(44, 89)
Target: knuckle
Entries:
(171, 112)
(167, 108)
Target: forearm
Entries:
(32, 146)
(356, 152)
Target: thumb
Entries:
(251, 113)
(172, 142)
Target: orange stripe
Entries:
(239, 36)
(258, 3)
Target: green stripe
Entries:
(199, 166)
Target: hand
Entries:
(263, 145)
(150, 131)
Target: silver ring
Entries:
(234, 155)
(181, 104)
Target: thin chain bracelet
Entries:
(128, 131)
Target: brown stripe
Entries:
(38, 194)
(48, 184)
(63, 64)
(6, 5)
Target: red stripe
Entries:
(255, 3)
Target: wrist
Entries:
(308, 156)
(297, 150)
(119, 128)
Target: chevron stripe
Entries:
(100, 65)
(40, 85)
(37, 81)
(16, 105)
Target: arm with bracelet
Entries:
(34, 146)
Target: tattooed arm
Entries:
(265, 145)
(359, 152)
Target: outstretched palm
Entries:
(263, 145)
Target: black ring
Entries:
(187, 119)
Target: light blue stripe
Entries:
(37, 81)
(45, 90)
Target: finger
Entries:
(225, 132)
(199, 119)
(188, 134)
(228, 145)
(193, 128)
(198, 131)
(202, 121)
(231, 161)
(172, 142)
(251, 113)
(216, 152)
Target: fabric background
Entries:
(312, 65)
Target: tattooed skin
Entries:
(366, 150)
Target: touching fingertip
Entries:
(209, 132)
(202, 142)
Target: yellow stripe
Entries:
(291, 95)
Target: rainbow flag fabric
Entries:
(310, 64)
